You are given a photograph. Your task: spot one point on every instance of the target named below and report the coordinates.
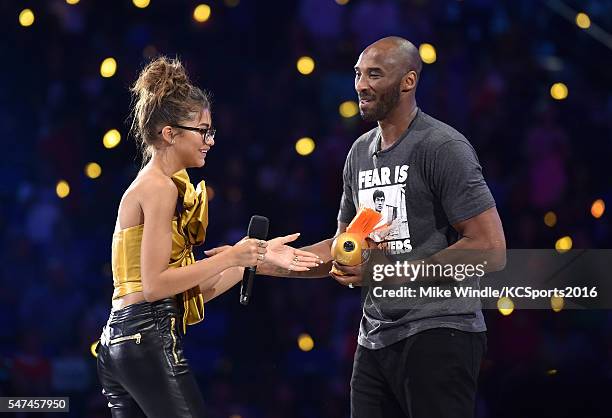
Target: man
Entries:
(413, 363)
(379, 200)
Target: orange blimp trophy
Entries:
(347, 248)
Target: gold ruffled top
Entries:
(188, 230)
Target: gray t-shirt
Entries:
(427, 181)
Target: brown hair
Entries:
(162, 95)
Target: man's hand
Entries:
(350, 276)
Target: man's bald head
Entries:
(397, 52)
(386, 77)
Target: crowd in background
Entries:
(495, 64)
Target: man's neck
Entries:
(396, 124)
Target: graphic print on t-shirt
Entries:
(384, 190)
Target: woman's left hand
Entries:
(286, 257)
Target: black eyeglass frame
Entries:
(207, 133)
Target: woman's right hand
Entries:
(248, 252)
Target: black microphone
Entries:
(258, 229)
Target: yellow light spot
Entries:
(305, 342)
(505, 306)
(557, 303)
(72, 1)
(62, 189)
(235, 416)
(348, 109)
(563, 244)
(141, 4)
(26, 17)
(93, 170)
(558, 91)
(93, 347)
(342, 2)
(305, 146)
(108, 67)
(428, 53)
(201, 13)
(550, 219)
(598, 208)
(552, 372)
(232, 3)
(583, 20)
(111, 138)
(305, 65)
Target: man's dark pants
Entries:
(432, 374)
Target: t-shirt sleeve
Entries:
(347, 207)
(458, 181)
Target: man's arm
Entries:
(483, 232)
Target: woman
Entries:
(159, 287)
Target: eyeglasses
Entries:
(207, 133)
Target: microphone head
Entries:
(258, 227)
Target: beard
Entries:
(382, 106)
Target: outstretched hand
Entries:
(286, 257)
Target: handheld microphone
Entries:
(258, 229)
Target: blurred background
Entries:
(528, 82)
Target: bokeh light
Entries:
(93, 170)
(342, 2)
(141, 4)
(305, 342)
(583, 20)
(72, 1)
(559, 91)
(505, 306)
(62, 189)
(550, 219)
(557, 303)
(427, 53)
(111, 138)
(210, 193)
(26, 17)
(201, 13)
(598, 208)
(348, 109)
(305, 65)
(564, 244)
(108, 67)
(305, 146)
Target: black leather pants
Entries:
(141, 365)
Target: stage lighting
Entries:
(348, 109)
(201, 13)
(93, 170)
(557, 303)
(62, 189)
(558, 91)
(26, 18)
(108, 67)
(583, 20)
(305, 65)
(305, 146)
(505, 306)
(427, 53)
(564, 244)
(141, 4)
(598, 208)
(305, 342)
(550, 219)
(111, 138)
